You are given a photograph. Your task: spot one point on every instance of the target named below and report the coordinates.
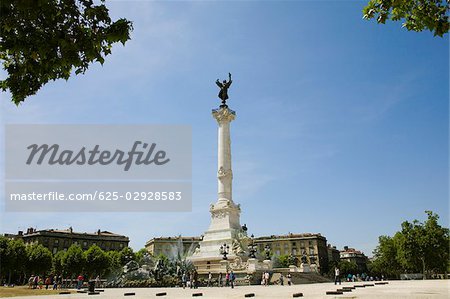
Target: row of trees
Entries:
(419, 247)
(18, 261)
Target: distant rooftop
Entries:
(32, 231)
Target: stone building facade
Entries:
(354, 256)
(313, 246)
(56, 240)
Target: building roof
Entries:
(292, 236)
(70, 233)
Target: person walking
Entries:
(195, 279)
(191, 280)
(281, 279)
(266, 278)
(31, 281)
(209, 279)
(36, 282)
(184, 279)
(232, 278)
(55, 282)
(80, 281)
(227, 279)
(220, 279)
(289, 277)
(337, 277)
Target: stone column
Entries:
(224, 117)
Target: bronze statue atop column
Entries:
(223, 93)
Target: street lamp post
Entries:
(252, 248)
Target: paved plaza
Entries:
(395, 289)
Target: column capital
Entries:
(224, 114)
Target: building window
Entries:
(277, 252)
(55, 249)
(294, 244)
(84, 244)
(56, 241)
(294, 251)
(121, 245)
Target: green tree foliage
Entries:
(3, 256)
(58, 264)
(73, 260)
(39, 259)
(126, 255)
(97, 262)
(46, 40)
(114, 260)
(17, 257)
(140, 255)
(386, 262)
(417, 15)
(346, 267)
(424, 247)
(417, 248)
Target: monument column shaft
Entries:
(224, 117)
(224, 161)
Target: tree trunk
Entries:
(9, 277)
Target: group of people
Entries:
(38, 282)
(190, 279)
(289, 279)
(352, 277)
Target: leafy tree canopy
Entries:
(127, 254)
(73, 260)
(97, 262)
(39, 259)
(417, 15)
(417, 248)
(45, 40)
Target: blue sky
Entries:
(341, 128)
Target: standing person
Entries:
(55, 282)
(36, 282)
(97, 281)
(337, 277)
(80, 281)
(220, 279)
(266, 278)
(41, 283)
(232, 278)
(227, 279)
(191, 280)
(184, 279)
(282, 279)
(47, 282)
(209, 279)
(31, 281)
(195, 279)
(289, 277)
